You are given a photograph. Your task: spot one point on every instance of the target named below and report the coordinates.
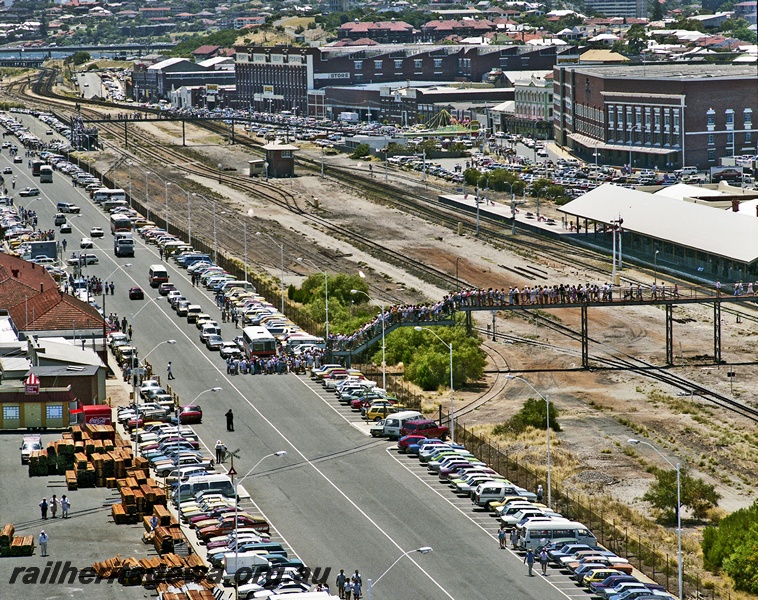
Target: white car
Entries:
(86, 243)
(95, 232)
(85, 259)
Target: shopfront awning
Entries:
(592, 144)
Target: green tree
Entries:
(471, 176)
(361, 151)
(732, 546)
(532, 414)
(656, 10)
(502, 180)
(636, 38)
(742, 564)
(697, 495)
(79, 58)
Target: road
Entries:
(339, 497)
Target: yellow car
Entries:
(380, 409)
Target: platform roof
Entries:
(719, 232)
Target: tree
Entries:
(532, 414)
(471, 176)
(361, 151)
(731, 546)
(656, 10)
(79, 58)
(697, 495)
(636, 38)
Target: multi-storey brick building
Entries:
(657, 115)
(384, 32)
(281, 78)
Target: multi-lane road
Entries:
(339, 498)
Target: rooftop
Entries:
(668, 71)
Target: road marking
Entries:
(465, 514)
(330, 405)
(300, 453)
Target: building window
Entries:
(657, 120)
(418, 63)
(437, 63)
(729, 118)
(286, 153)
(54, 411)
(399, 65)
(676, 121)
(711, 139)
(748, 137)
(730, 139)
(358, 65)
(711, 155)
(11, 413)
(711, 115)
(378, 65)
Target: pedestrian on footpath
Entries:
(65, 506)
(43, 537)
(53, 504)
(529, 561)
(43, 508)
(501, 537)
(543, 561)
(229, 420)
(170, 371)
(341, 578)
(220, 451)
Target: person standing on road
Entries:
(356, 588)
(229, 420)
(65, 506)
(514, 538)
(43, 508)
(220, 451)
(43, 537)
(53, 504)
(543, 561)
(529, 561)
(348, 589)
(501, 537)
(170, 371)
(341, 583)
(540, 493)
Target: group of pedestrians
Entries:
(349, 587)
(52, 506)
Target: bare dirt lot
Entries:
(599, 409)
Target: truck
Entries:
(123, 244)
(29, 444)
(349, 117)
(249, 564)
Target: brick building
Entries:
(283, 78)
(384, 32)
(153, 82)
(657, 115)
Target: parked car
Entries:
(191, 413)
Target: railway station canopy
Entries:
(685, 227)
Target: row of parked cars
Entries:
(533, 526)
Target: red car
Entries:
(407, 440)
(136, 293)
(192, 413)
(165, 288)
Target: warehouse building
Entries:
(661, 116)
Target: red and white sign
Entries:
(32, 384)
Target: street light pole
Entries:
(134, 384)
(370, 585)
(678, 467)
(147, 195)
(452, 399)
(220, 166)
(655, 264)
(281, 247)
(167, 184)
(547, 423)
(236, 516)
(384, 346)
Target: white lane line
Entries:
(300, 453)
(330, 405)
(465, 514)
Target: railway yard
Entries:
(410, 248)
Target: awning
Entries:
(592, 144)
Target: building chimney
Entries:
(735, 205)
(15, 273)
(41, 288)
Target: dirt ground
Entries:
(599, 409)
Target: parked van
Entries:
(297, 339)
(530, 533)
(187, 489)
(157, 275)
(497, 491)
(233, 283)
(394, 424)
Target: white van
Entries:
(531, 533)
(394, 423)
(245, 285)
(497, 491)
(187, 489)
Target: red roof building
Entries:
(384, 32)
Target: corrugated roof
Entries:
(718, 232)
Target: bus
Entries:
(103, 194)
(45, 174)
(532, 534)
(258, 342)
(119, 223)
(36, 166)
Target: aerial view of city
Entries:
(383, 300)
